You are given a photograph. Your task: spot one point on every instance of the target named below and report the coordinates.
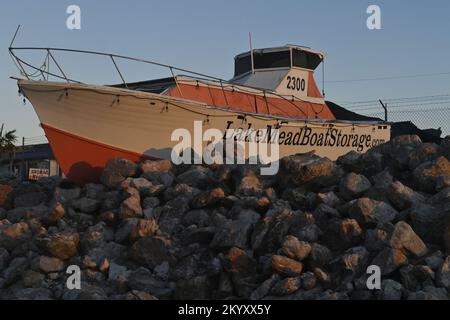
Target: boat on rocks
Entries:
(272, 96)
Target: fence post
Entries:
(385, 110)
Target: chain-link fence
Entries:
(425, 112)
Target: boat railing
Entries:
(43, 72)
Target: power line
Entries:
(404, 104)
(391, 77)
(411, 108)
(415, 111)
(441, 97)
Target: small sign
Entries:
(36, 173)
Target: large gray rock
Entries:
(389, 260)
(150, 166)
(368, 211)
(399, 149)
(197, 176)
(306, 169)
(286, 286)
(110, 251)
(320, 256)
(269, 233)
(116, 171)
(67, 195)
(443, 274)
(403, 197)
(286, 266)
(249, 185)
(383, 179)
(427, 174)
(50, 264)
(152, 251)
(428, 221)
(405, 239)
(143, 280)
(435, 260)
(442, 182)
(378, 238)
(131, 207)
(368, 163)
(62, 245)
(241, 267)
(422, 153)
(96, 235)
(208, 198)
(353, 186)
(328, 198)
(235, 233)
(197, 217)
(33, 279)
(265, 287)
(295, 249)
(181, 190)
(14, 235)
(416, 277)
(341, 234)
(391, 290)
(441, 198)
(172, 213)
(86, 205)
(55, 213)
(94, 191)
(355, 259)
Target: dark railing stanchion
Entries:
(120, 74)
(224, 94)
(60, 69)
(176, 81)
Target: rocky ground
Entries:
(157, 231)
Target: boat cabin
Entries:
(286, 70)
(276, 81)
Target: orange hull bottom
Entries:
(82, 160)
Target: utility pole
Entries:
(22, 165)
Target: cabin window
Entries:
(305, 59)
(277, 59)
(242, 65)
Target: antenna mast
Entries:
(251, 51)
(14, 37)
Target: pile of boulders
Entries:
(154, 230)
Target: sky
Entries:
(205, 36)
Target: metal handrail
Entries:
(20, 63)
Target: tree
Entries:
(7, 145)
